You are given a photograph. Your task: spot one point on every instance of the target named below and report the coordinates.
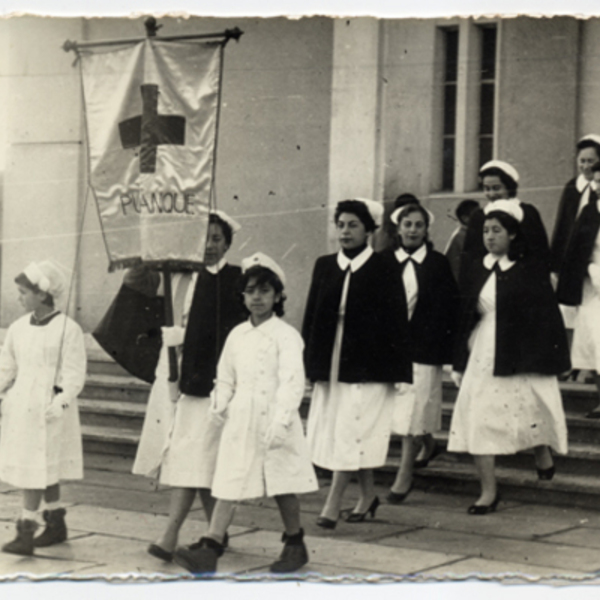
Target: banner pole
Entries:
(169, 321)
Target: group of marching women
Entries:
(377, 330)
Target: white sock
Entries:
(29, 515)
(53, 505)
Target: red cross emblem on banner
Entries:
(150, 130)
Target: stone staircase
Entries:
(112, 408)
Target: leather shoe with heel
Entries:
(326, 523)
(484, 509)
(395, 498)
(355, 517)
(546, 474)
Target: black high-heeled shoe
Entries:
(395, 498)
(355, 517)
(484, 509)
(423, 463)
(326, 523)
(546, 474)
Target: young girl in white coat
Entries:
(263, 451)
(42, 365)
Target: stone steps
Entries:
(112, 409)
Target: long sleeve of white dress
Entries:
(225, 381)
(291, 376)
(8, 362)
(72, 369)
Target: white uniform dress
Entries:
(503, 415)
(585, 353)
(418, 405)
(179, 441)
(261, 375)
(36, 453)
(160, 410)
(349, 424)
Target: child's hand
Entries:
(56, 408)
(276, 435)
(217, 410)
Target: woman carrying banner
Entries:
(211, 309)
(263, 451)
(356, 334)
(42, 365)
(432, 298)
(512, 343)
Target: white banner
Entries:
(151, 111)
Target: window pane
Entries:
(485, 149)
(488, 53)
(448, 165)
(487, 108)
(450, 109)
(451, 71)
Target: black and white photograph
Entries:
(310, 299)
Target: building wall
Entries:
(537, 110)
(43, 183)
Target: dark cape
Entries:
(530, 333)
(375, 344)
(532, 230)
(433, 324)
(566, 217)
(578, 256)
(130, 329)
(216, 309)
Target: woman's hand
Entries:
(173, 336)
(456, 378)
(594, 272)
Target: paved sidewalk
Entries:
(113, 515)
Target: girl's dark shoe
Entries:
(326, 523)
(160, 553)
(55, 531)
(200, 558)
(355, 517)
(23, 543)
(395, 498)
(421, 464)
(484, 509)
(546, 474)
(293, 556)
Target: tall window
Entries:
(450, 93)
(488, 87)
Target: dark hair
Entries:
(583, 144)
(596, 167)
(358, 209)
(511, 185)
(404, 199)
(225, 227)
(465, 209)
(22, 279)
(264, 276)
(518, 246)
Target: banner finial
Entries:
(152, 26)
